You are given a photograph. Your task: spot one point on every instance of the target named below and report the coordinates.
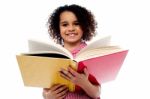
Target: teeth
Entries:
(71, 34)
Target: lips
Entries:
(71, 34)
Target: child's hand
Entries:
(82, 81)
(55, 92)
(75, 77)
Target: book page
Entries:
(99, 42)
(41, 47)
(54, 54)
(97, 52)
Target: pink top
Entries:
(77, 95)
(76, 50)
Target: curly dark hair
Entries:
(84, 17)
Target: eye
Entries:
(76, 23)
(64, 24)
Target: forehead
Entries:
(68, 16)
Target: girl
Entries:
(71, 26)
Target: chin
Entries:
(73, 41)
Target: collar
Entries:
(77, 49)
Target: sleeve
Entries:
(91, 78)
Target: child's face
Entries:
(70, 29)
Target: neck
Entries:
(71, 46)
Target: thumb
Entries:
(86, 72)
(46, 89)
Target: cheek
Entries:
(81, 35)
(80, 31)
(62, 30)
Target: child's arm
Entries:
(82, 81)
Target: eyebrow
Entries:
(67, 22)
(63, 22)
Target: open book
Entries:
(41, 65)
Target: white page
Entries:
(41, 47)
(102, 41)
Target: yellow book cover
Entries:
(44, 71)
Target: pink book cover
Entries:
(103, 68)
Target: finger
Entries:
(63, 93)
(55, 87)
(45, 92)
(73, 72)
(61, 89)
(46, 89)
(55, 90)
(86, 72)
(65, 76)
(66, 73)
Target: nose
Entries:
(71, 28)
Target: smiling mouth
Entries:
(71, 34)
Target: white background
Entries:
(128, 21)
